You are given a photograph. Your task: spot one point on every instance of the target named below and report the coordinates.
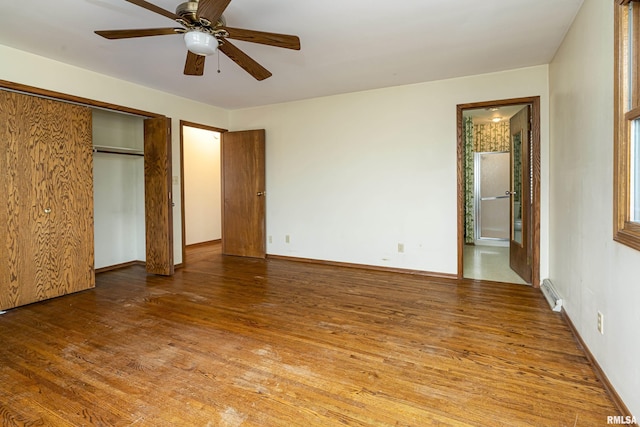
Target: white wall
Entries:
(21, 67)
(118, 209)
(118, 188)
(351, 176)
(590, 270)
(202, 186)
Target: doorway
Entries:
(200, 184)
(241, 203)
(498, 228)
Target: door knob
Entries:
(261, 193)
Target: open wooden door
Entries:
(243, 193)
(157, 196)
(520, 245)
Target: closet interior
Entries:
(118, 188)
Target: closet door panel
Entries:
(70, 190)
(32, 177)
(12, 211)
(47, 164)
(23, 186)
(5, 191)
(158, 197)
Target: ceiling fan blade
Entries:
(244, 61)
(154, 8)
(194, 66)
(128, 34)
(212, 9)
(271, 39)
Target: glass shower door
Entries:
(492, 205)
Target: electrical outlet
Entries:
(270, 239)
(401, 247)
(287, 239)
(601, 323)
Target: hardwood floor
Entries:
(230, 341)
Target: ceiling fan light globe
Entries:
(201, 43)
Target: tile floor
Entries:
(489, 263)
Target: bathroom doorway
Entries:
(498, 184)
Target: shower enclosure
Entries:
(491, 179)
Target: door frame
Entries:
(184, 123)
(534, 101)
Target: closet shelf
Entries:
(117, 150)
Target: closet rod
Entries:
(118, 150)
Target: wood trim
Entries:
(499, 103)
(127, 264)
(45, 93)
(632, 114)
(183, 226)
(613, 394)
(534, 101)
(624, 231)
(201, 126)
(537, 173)
(619, 132)
(210, 242)
(366, 267)
(118, 266)
(461, 186)
(634, 56)
(628, 235)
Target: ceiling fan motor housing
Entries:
(187, 10)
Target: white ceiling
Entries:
(347, 45)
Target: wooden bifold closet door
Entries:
(46, 219)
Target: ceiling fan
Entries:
(205, 31)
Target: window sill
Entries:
(629, 235)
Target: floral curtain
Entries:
(468, 180)
(491, 137)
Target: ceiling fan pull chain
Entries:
(218, 62)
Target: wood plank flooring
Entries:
(243, 342)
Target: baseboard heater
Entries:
(550, 293)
